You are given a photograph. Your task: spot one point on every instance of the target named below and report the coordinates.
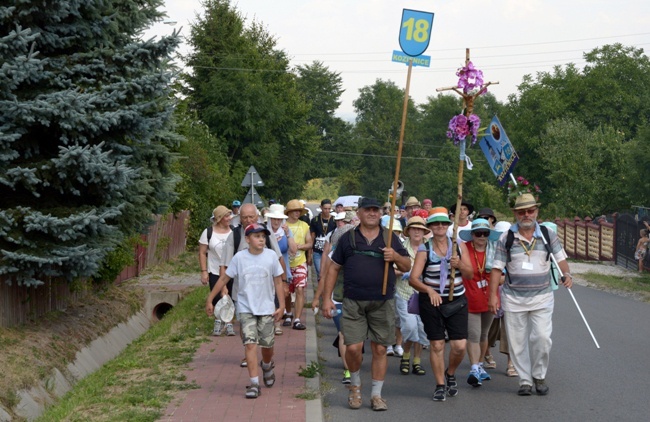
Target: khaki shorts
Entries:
(257, 329)
(373, 319)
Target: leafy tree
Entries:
(585, 168)
(323, 88)
(241, 87)
(377, 131)
(84, 132)
(205, 172)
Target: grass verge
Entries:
(634, 285)
(141, 381)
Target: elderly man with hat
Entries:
(368, 311)
(527, 295)
(210, 257)
(298, 262)
(411, 205)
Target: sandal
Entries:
(287, 320)
(418, 369)
(511, 371)
(278, 331)
(297, 325)
(354, 397)
(253, 391)
(489, 362)
(243, 363)
(269, 380)
(404, 365)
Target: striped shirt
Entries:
(431, 273)
(527, 289)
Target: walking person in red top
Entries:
(473, 260)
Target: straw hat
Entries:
(412, 201)
(479, 224)
(416, 223)
(219, 213)
(296, 205)
(276, 211)
(525, 201)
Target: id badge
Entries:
(527, 266)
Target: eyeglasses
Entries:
(439, 223)
(529, 211)
(481, 233)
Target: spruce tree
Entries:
(85, 110)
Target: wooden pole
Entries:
(469, 108)
(389, 232)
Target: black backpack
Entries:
(547, 244)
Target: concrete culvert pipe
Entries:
(160, 310)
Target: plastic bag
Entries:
(225, 309)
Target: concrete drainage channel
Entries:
(32, 402)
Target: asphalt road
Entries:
(586, 383)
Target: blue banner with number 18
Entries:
(415, 32)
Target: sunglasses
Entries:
(529, 211)
(481, 233)
(439, 223)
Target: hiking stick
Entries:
(573, 297)
(389, 232)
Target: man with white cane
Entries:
(525, 253)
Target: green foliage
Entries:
(85, 133)
(319, 189)
(117, 259)
(313, 369)
(204, 170)
(242, 89)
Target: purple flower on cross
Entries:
(470, 79)
(460, 126)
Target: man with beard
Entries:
(527, 295)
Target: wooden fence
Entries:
(583, 239)
(18, 304)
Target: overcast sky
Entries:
(507, 38)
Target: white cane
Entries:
(573, 297)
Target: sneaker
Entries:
(218, 328)
(484, 376)
(390, 351)
(377, 403)
(525, 390)
(346, 377)
(452, 385)
(253, 391)
(230, 330)
(474, 378)
(399, 351)
(440, 394)
(540, 387)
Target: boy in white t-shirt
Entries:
(258, 272)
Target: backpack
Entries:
(209, 229)
(547, 244)
(353, 244)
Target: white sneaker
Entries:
(399, 351)
(218, 328)
(230, 330)
(390, 351)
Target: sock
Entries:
(416, 361)
(266, 366)
(376, 388)
(475, 367)
(255, 380)
(355, 378)
(296, 320)
(406, 356)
